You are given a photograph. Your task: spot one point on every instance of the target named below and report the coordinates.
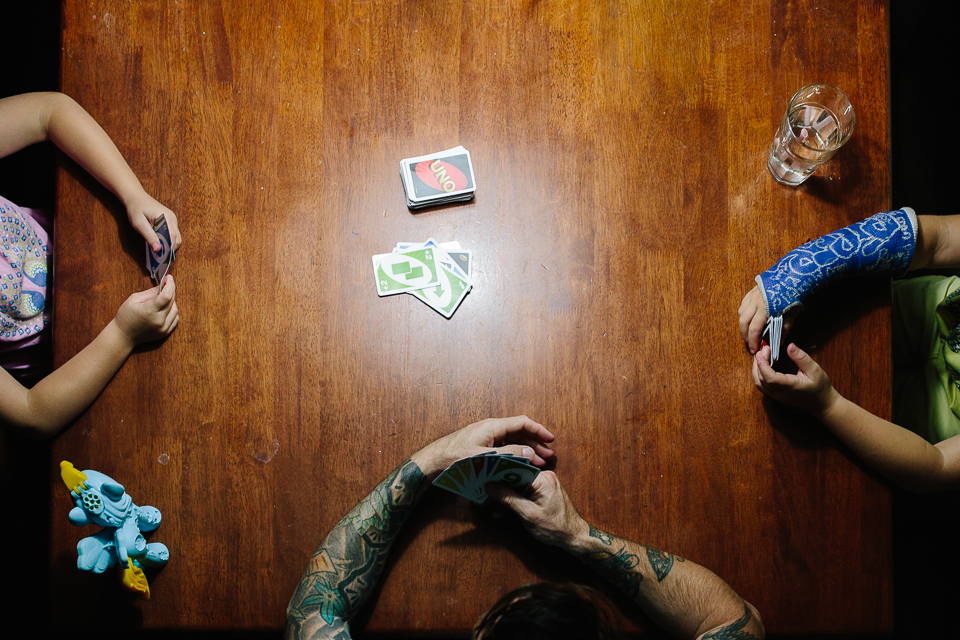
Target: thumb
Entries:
(517, 450)
(502, 494)
(167, 291)
(145, 228)
(803, 361)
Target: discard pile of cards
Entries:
(438, 178)
(468, 477)
(436, 273)
(158, 264)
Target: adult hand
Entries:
(546, 510)
(142, 210)
(518, 435)
(753, 319)
(809, 388)
(148, 315)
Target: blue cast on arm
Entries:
(881, 244)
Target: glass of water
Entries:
(818, 120)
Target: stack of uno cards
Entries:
(468, 477)
(158, 264)
(438, 178)
(436, 273)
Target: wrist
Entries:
(119, 337)
(826, 405)
(582, 538)
(429, 460)
(131, 192)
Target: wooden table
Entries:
(623, 210)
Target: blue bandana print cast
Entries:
(883, 244)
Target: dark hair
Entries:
(550, 611)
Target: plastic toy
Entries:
(103, 501)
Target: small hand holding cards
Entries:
(158, 264)
(436, 273)
(438, 178)
(468, 477)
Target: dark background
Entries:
(926, 560)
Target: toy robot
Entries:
(103, 501)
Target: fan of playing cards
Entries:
(468, 477)
(438, 178)
(436, 273)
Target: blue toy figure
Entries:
(103, 501)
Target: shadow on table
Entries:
(844, 174)
(130, 241)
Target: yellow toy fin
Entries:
(72, 477)
(134, 580)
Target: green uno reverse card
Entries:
(405, 271)
(447, 294)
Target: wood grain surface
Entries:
(623, 208)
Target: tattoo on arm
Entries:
(661, 562)
(602, 536)
(344, 569)
(618, 567)
(735, 630)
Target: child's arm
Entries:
(65, 393)
(937, 247)
(899, 454)
(938, 243)
(34, 117)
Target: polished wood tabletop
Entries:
(623, 208)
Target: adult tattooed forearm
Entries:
(683, 597)
(686, 599)
(345, 567)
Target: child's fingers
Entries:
(770, 378)
(174, 228)
(763, 364)
(145, 228)
(168, 292)
(746, 314)
(803, 361)
(756, 330)
(763, 373)
(172, 320)
(757, 382)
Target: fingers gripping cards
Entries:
(438, 178)
(158, 264)
(437, 274)
(468, 477)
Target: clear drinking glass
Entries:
(818, 120)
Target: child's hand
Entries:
(142, 211)
(809, 388)
(753, 319)
(147, 315)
